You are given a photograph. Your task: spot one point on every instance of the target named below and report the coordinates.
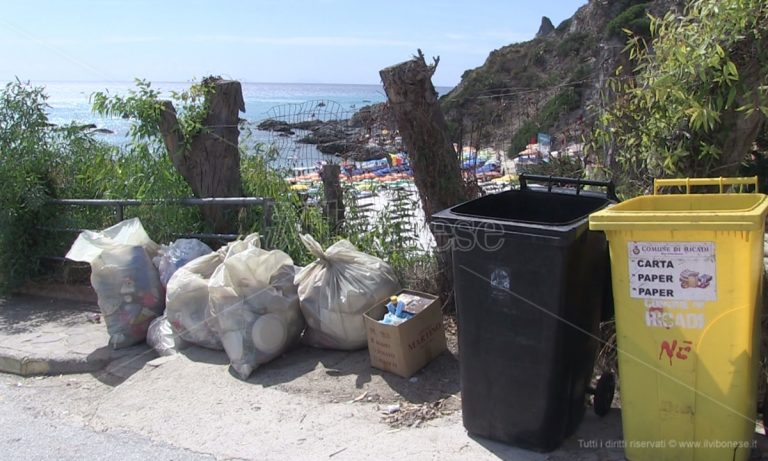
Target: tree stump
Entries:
(436, 169)
(413, 101)
(210, 161)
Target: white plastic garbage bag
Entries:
(186, 298)
(337, 289)
(161, 338)
(171, 257)
(89, 244)
(256, 307)
(126, 282)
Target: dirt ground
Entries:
(309, 403)
(338, 377)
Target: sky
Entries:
(285, 41)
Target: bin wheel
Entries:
(604, 390)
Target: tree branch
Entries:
(172, 137)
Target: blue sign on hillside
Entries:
(545, 143)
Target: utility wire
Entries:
(55, 49)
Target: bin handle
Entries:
(610, 188)
(688, 182)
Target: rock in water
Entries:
(101, 131)
(274, 125)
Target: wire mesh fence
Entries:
(380, 195)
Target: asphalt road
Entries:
(26, 436)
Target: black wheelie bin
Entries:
(531, 282)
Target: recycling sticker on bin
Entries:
(679, 271)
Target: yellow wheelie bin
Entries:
(687, 279)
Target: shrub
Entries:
(30, 150)
(39, 162)
(567, 100)
(566, 167)
(633, 18)
(292, 214)
(522, 136)
(574, 43)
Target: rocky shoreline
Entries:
(369, 135)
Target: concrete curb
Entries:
(53, 335)
(19, 363)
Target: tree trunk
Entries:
(740, 129)
(333, 196)
(210, 161)
(436, 171)
(435, 163)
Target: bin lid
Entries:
(540, 213)
(532, 207)
(684, 211)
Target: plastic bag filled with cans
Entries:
(173, 257)
(337, 289)
(255, 307)
(187, 294)
(126, 282)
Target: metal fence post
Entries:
(266, 221)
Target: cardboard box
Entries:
(406, 348)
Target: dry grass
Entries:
(415, 415)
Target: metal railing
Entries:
(119, 206)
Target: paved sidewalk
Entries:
(48, 336)
(308, 404)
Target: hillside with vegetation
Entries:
(546, 84)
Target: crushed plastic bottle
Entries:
(396, 313)
(395, 306)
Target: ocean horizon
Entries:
(69, 102)
(70, 98)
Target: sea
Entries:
(71, 102)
